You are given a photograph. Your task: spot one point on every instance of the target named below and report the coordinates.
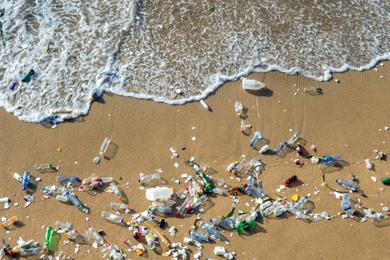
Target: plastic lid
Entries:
(315, 160)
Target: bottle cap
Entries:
(315, 160)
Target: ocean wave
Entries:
(174, 51)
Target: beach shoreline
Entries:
(348, 119)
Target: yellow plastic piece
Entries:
(295, 197)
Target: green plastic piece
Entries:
(51, 240)
(386, 181)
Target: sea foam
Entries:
(151, 49)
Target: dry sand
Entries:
(346, 120)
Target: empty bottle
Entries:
(26, 180)
(330, 160)
(313, 91)
(9, 222)
(150, 180)
(345, 202)
(213, 231)
(29, 76)
(181, 210)
(349, 185)
(162, 208)
(122, 207)
(68, 180)
(113, 218)
(245, 226)
(47, 168)
(95, 236)
(200, 237)
(254, 140)
(77, 203)
(159, 193)
(225, 223)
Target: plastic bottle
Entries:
(213, 231)
(313, 91)
(196, 203)
(77, 203)
(66, 180)
(245, 226)
(47, 168)
(200, 237)
(330, 160)
(256, 137)
(349, 185)
(115, 189)
(95, 236)
(9, 222)
(180, 210)
(345, 202)
(27, 77)
(225, 223)
(51, 240)
(191, 241)
(113, 218)
(122, 207)
(162, 208)
(26, 180)
(302, 202)
(150, 180)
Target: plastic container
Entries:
(159, 193)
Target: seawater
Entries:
(152, 48)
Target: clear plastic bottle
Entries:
(68, 180)
(77, 203)
(254, 140)
(150, 180)
(47, 168)
(115, 189)
(200, 237)
(95, 236)
(213, 231)
(121, 207)
(346, 202)
(330, 160)
(113, 218)
(225, 223)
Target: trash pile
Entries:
(148, 232)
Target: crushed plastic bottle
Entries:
(349, 184)
(255, 140)
(47, 168)
(69, 181)
(221, 251)
(200, 237)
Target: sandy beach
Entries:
(348, 120)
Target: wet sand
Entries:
(347, 120)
